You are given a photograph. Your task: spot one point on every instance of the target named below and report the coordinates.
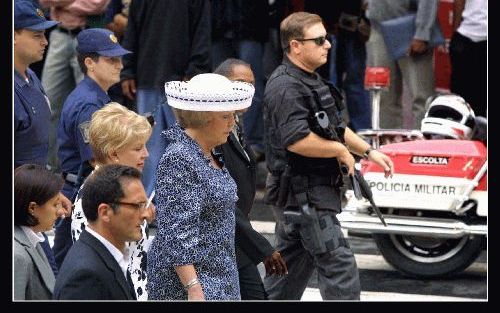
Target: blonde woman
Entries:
(119, 135)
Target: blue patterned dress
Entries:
(195, 219)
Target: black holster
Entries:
(310, 229)
(306, 216)
(320, 231)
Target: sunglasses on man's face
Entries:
(318, 40)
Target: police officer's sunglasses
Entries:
(318, 40)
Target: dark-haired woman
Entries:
(37, 205)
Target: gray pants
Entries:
(338, 276)
(61, 73)
(416, 72)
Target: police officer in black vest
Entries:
(307, 142)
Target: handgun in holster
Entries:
(306, 217)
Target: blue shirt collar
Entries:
(19, 79)
(92, 85)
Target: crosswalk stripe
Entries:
(312, 294)
(263, 227)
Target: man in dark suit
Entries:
(95, 268)
(251, 247)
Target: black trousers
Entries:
(338, 277)
(468, 71)
(251, 286)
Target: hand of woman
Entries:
(195, 293)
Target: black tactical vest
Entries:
(328, 99)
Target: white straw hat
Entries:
(209, 92)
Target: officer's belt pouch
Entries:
(320, 192)
(324, 198)
(301, 183)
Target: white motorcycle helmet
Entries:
(448, 116)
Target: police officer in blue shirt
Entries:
(100, 58)
(31, 105)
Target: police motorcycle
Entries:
(436, 204)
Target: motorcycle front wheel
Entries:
(429, 257)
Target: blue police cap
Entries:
(101, 41)
(27, 15)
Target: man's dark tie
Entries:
(131, 285)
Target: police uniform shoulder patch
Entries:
(84, 130)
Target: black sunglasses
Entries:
(318, 40)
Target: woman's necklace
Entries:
(208, 155)
(212, 161)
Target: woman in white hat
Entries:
(192, 255)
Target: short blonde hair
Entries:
(294, 25)
(192, 119)
(113, 127)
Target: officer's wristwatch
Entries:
(367, 152)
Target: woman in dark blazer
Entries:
(251, 248)
(37, 205)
